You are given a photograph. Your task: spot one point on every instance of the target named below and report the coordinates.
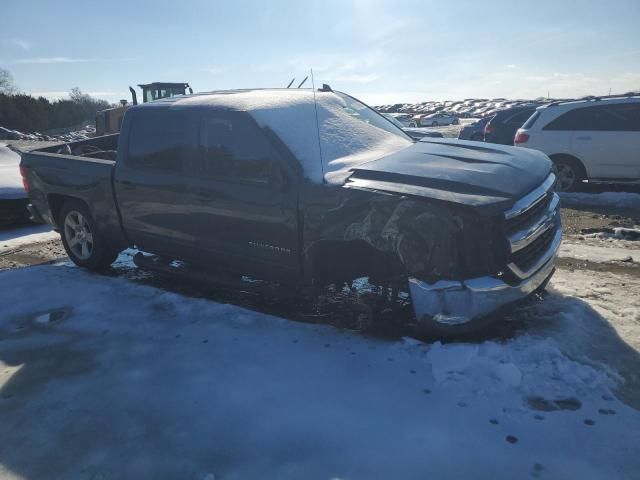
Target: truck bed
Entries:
(74, 171)
(104, 148)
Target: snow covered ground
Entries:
(600, 251)
(10, 239)
(102, 378)
(10, 179)
(604, 199)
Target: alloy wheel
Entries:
(78, 234)
(565, 176)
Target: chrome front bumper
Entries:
(459, 302)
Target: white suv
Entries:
(596, 139)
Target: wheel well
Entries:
(56, 201)
(571, 160)
(334, 261)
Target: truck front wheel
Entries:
(82, 241)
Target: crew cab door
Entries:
(151, 179)
(244, 197)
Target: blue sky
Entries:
(381, 51)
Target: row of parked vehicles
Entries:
(468, 108)
(437, 119)
(595, 139)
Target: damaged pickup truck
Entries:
(307, 189)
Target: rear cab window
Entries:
(163, 140)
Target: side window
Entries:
(163, 139)
(235, 149)
(532, 120)
(608, 118)
(576, 119)
(627, 116)
(520, 117)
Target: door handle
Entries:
(584, 137)
(127, 184)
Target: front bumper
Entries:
(459, 302)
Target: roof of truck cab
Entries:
(315, 126)
(242, 99)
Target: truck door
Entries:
(150, 180)
(244, 197)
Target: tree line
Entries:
(22, 112)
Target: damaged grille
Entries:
(529, 216)
(532, 229)
(527, 257)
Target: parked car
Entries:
(415, 133)
(473, 131)
(502, 127)
(248, 181)
(420, 133)
(596, 139)
(405, 119)
(399, 121)
(438, 119)
(13, 198)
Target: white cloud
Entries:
(55, 60)
(23, 44)
(362, 68)
(511, 65)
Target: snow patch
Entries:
(603, 253)
(10, 239)
(611, 296)
(618, 233)
(449, 359)
(270, 398)
(606, 199)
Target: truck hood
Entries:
(485, 176)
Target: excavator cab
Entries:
(157, 90)
(110, 120)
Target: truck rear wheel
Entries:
(84, 245)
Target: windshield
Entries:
(368, 115)
(155, 93)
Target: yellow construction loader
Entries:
(110, 120)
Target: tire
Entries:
(569, 173)
(477, 137)
(455, 122)
(434, 124)
(81, 239)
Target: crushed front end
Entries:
(532, 232)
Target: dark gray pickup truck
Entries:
(309, 189)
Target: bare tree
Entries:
(77, 96)
(6, 82)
